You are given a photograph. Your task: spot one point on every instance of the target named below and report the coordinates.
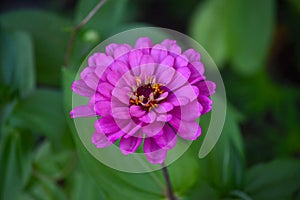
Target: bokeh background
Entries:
(256, 45)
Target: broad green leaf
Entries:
(15, 163)
(208, 27)
(82, 186)
(223, 167)
(17, 62)
(276, 180)
(184, 173)
(202, 191)
(7, 55)
(229, 31)
(42, 112)
(24, 63)
(250, 26)
(50, 39)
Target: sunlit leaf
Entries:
(208, 27)
(250, 26)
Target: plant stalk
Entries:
(170, 193)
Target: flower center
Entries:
(147, 95)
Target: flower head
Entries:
(146, 95)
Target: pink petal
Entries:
(129, 145)
(159, 52)
(135, 58)
(168, 139)
(79, 87)
(168, 61)
(103, 108)
(185, 72)
(164, 75)
(178, 100)
(111, 48)
(121, 51)
(136, 111)
(115, 136)
(147, 65)
(100, 60)
(185, 92)
(172, 46)
(86, 71)
(144, 44)
(106, 125)
(206, 88)
(153, 128)
(153, 152)
(100, 140)
(189, 130)
(164, 117)
(177, 81)
(113, 77)
(164, 107)
(119, 66)
(122, 94)
(188, 112)
(197, 71)
(198, 66)
(149, 117)
(105, 89)
(82, 111)
(181, 61)
(121, 112)
(91, 80)
(192, 55)
(206, 103)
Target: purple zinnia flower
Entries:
(146, 95)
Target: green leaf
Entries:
(42, 112)
(229, 31)
(276, 180)
(202, 191)
(225, 163)
(208, 27)
(82, 186)
(49, 37)
(250, 27)
(17, 62)
(24, 66)
(184, 173)
(15, 164)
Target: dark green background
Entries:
(256, 45)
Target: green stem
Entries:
(76, 29)
(170, 193)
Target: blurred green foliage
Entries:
(255, 44)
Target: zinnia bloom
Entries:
(144, 96)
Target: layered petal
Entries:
(82, 111)
(154, 153)
(130, 145)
